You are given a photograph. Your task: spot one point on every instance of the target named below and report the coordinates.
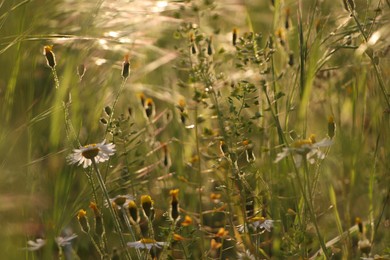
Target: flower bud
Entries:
(174, 208)
(83, 220)
(50, 57)
(126, 67)
(234, 39)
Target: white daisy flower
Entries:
(64, 241)
(146, 243)
(308, 147)
(35, 245)
(99, 152)
(257, 223)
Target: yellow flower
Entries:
(222, 233)
(187, 221)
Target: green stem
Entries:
(130, 229)
(113, 215)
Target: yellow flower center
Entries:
(91, 152)
(147, 241)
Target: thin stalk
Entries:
(202, 238)
(114, 104)
(310, 206)
(376, 69)
(130, 229)
(113, 215)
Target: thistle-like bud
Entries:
(166, 157)
(133, 212)
(83, 220)
(193, 44)
(291, 59)
(287, 22)
(108, 110)
(50, 57)
(147, 206)
(150, 110)
(142, 99)
(174, 207)
(223, 148)
(210, 46)
(359, 223)
(99, 225)
(103, 121)
(234, 39)
(331, 127)
(126, 67)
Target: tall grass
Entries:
(229, 123)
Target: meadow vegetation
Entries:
(202, 129)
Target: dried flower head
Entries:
(331, 127)
(234, 37)
(150, 109)
(133, 211)
(126, 67)
(50, 57)
(141, 97)
(83, 220)
(98, 152)
(174, 207)
(210, 46)
(120, 201)
(147, 206)
(99, 225)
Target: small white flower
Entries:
(257, 223)
(99, 152)
(146, 243)
(35, 245)
(64, 241)
(308, 148)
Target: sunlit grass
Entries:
(222, 150)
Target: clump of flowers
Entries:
(98, 152)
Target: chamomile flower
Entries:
(308, 148)
(84, 155)
(257, 223)
(35, 245)
(146, 243)
(64, 241)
